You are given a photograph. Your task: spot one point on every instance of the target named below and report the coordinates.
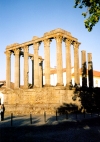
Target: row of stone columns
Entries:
(36, 78)
(59, 60)
(26, 68)
(84, 69)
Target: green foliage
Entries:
(92, 14)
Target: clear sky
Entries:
(20, 20)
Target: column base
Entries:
(47, 85)
(16, 87)
(59, 84)
(36, 86)
(25, 87)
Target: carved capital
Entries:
(36, 46)
(76, 44)
(16, 51)
(68, 42)
(47, 42)
(26, 49)
(59, 39)
(8, 54)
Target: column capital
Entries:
(36, 45)
(26, 48)
(16, 51)
(76, 44)
(8, 53)
(47, 42)
(59, 38)
(68, 42)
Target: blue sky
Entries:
(20, 20)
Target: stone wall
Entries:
(37, 100)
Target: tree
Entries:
(92, 15)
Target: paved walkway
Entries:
(75, 128)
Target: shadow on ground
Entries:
(73, 131)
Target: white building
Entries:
(53, 77)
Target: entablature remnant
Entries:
(22, 53)
(48, 35)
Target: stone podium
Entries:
(40, 97)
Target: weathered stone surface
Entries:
(39, 99)
(36, 100)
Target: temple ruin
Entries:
(39, 97)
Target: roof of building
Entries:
(95, 73)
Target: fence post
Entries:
(30, 118)
(98, 111)
(84, 113)
(76, 114)
(91, 112)
(11, 119)
(56, 116)
(44, 116)
(66, 114)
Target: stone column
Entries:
(90, 70)
(17, 68)
(40, 73)
(36, 65)
(68, 61)
(32, 59)
(84, 68)
(47, 61)
(59, 61)
(76, 63)
(8, 68)
(26, 69)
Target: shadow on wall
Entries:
(90, 73)
(84, 75)
(89, 97)
(67, 108)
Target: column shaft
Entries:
(17, 68)
(8, 69)
(59, 61)
(76, 64)
(40, 73)
(36, 65)
(90, 70)
(26, 69)
(68, 61)
(32, 72)
(84, 68)
(47, 61)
